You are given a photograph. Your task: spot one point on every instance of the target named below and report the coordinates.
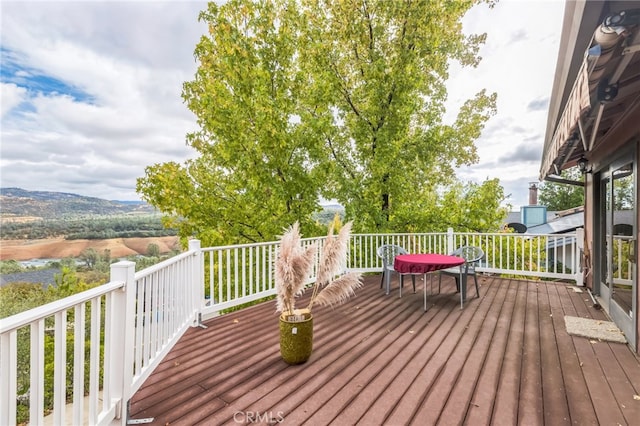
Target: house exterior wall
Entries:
(605, 131)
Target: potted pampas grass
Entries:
(292, 268)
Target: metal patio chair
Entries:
(472, 256)
(388, 253)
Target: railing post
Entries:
(450, 241)
(8, 377)
(197, 281)
(577, 258)
(121, 340)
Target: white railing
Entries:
(168, 300)
(105, 342)
(66, 324)
(554, 256)
(240, 274)
(547, 256)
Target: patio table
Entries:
(429, 262)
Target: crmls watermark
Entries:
(249, 417)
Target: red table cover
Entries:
(423, 263)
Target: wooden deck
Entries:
(505, 358)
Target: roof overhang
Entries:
(597, 81)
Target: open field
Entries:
(58, 248)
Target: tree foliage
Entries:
(562, 196)
(90, 257)
(380, 82)
(20, 296)
(91, 227)
(301, 99)
(10, 267)
(153, 250)
(472, 207)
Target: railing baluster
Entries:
(252, 289)
(60, 371)
(8, 376)
(94, 356)
(243, 268)
(78, 363)
(146, 322)
(165, 310)
(220, 275)
(36, 382)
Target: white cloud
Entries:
(518, 63)
(105, 97)
(12, 96)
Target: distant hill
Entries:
(18, 203)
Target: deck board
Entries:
(505, 358)
(530, 412)
(556, 409)
(461, 398)
(482, 407)
(506, 405)
(453, 372)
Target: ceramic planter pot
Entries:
(296, 336)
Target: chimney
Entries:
(533, 193)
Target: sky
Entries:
(91, 91)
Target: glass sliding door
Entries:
(623, 214)
(618, 246)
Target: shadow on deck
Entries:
(505, 358)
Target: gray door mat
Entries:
(594, 329)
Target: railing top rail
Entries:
(477, 234)
(159, 266)
(248, 245)
(397, 234)
(408, 234)
(20, 320)
(514, 234)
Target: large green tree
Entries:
(379, 90)
(257, 170)
(301, 99)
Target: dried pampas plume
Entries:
(339, 290)
(334, 254)
(333, 262)
(292, 268)
(294, 263)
